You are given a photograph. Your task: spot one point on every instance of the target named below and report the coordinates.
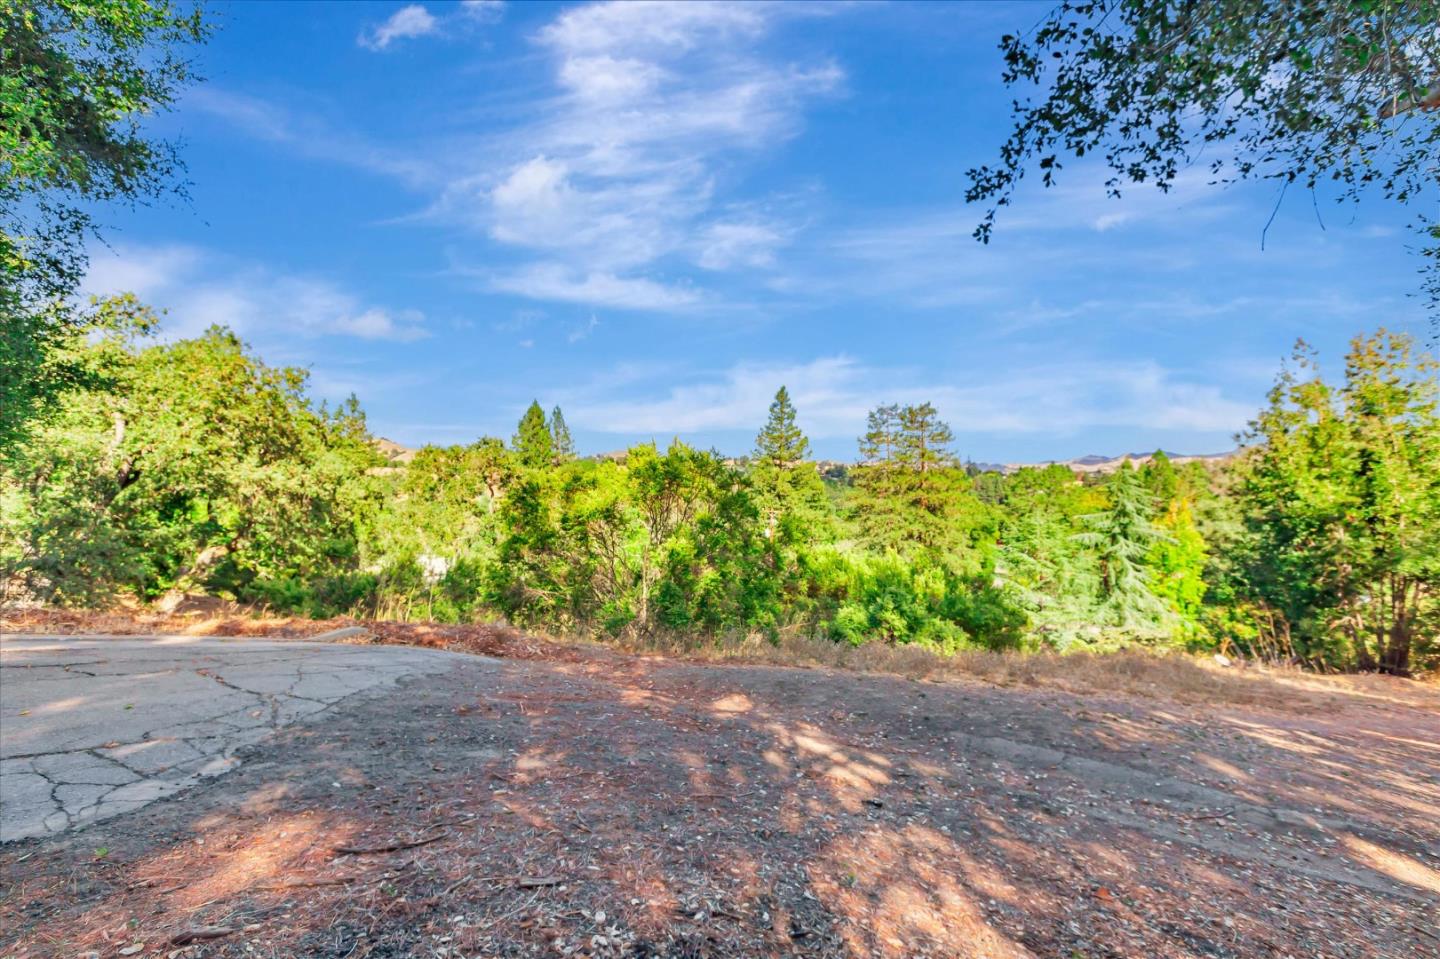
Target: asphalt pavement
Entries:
(95, 727)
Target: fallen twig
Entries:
(391, 847)
(310, 883)
(1218, 815)
(200, 933)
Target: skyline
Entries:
(653, 217)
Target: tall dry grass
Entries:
(1173, 676)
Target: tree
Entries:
(1302, 92)
(913, 496)
(561, 442)
(1160, 478)
(1342, 503)
(76, 79)
(1177, 561)
(787, 489)
(533, 443)
(781, 442)
(196, 467)
(1122, 537)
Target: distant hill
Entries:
(1095, 463)
(393, 451)
(398, 455)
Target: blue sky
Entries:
(655, 215)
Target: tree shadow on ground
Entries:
(644, 808)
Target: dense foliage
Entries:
(193, 466)
(77, 78)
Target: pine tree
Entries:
(1161, 478)
(532, 441)
(784, 484)
(913, 497)
(1123, 536)
(877, 446)
(781, 441)
(562, 444)
(923, 442)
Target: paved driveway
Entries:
(90, 728)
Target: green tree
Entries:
(533, 444)
(76, 80)
(781, 442)
(786, 487)
(1304, 92)
(1055, 576)
(1341, 496)
(196, 467)
(561, 442)
(1177, 561)
(1160, 478)
(1122, 537)
(913, 497)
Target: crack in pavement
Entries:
(108, 742)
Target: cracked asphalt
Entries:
(91, 728)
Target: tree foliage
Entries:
(1341, 500)
(562, 444)
(533, 442)
(194, 466)
(1304, 92)
(77, 79)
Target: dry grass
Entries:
(1171, 676)
(1163, 675)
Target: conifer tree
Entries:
(562, 444)
(913, 497)
(532, 441)
(783, 482)
(1123, 536)
(1161, 478)
(781, 441)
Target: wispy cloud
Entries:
(621, 170)
(415, 20)
(555, 281)
(833, 395)
(313, 137)
(200, 289)
(404, 24)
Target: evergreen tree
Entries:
(785, 486)
(1122, 537)
(1161, 478)
(912, 495)
(923, 441)
(532, 442)
(1342, 502)
(877, 446)
(781, 441)
(562, 444)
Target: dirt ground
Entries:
(600, 804)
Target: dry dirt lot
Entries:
(582, 802)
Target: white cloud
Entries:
(404, 24)
(584, 330)
(310, 136)
(200, 289)
(833, 395)
(729, 244)
(415, 20)
(622, 169)
(485, 11)
(554, 281)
